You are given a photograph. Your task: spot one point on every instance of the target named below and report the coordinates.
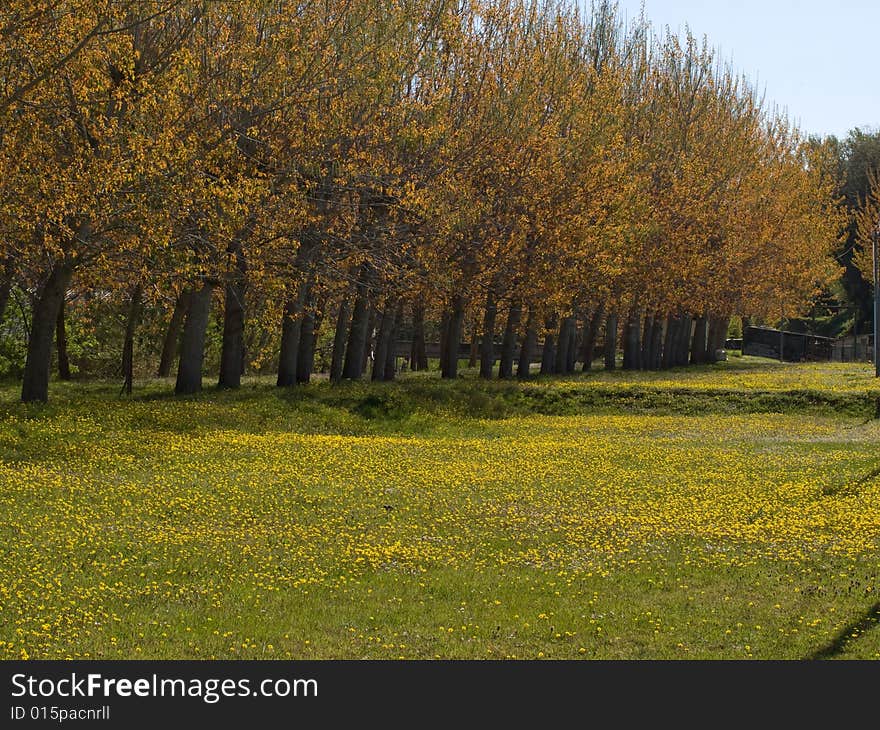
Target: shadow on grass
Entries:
(850, 633)
(473, 398)
(845, 490)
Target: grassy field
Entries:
(730, 511)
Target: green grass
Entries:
(729, 511)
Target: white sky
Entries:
(818, 60)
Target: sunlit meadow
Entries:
(728, 512)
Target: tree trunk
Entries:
(61, 343)
(343, 319)
(418, 359)
(134, 315)
(647, 339)
(548, 354)
(444, 340)
(456, 320)
(508, 346)
(657, 338)
(370, 344)
(291, 322)
(611, 341)
(232, 352)
(391, 357)
(487, 345)
(712, 338)
(35, 385)
(632, 346)
(683, 347)
(591, 331)
(475, 347)
(357, 335)
(698, 345)
(628, 341)
(305, 357)
(192, 346)
(291, 328)
(572, 347)
(172, 334)
(680, 336)
(560, 355)
(652, 322)
(316, 337)
(527, 351)
(563, 345)
(672, 329)
(717, 336)
(383, 340)
(723, 326)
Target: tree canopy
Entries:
(375, 168)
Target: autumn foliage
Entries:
(324, 180)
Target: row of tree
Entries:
(357, 170)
